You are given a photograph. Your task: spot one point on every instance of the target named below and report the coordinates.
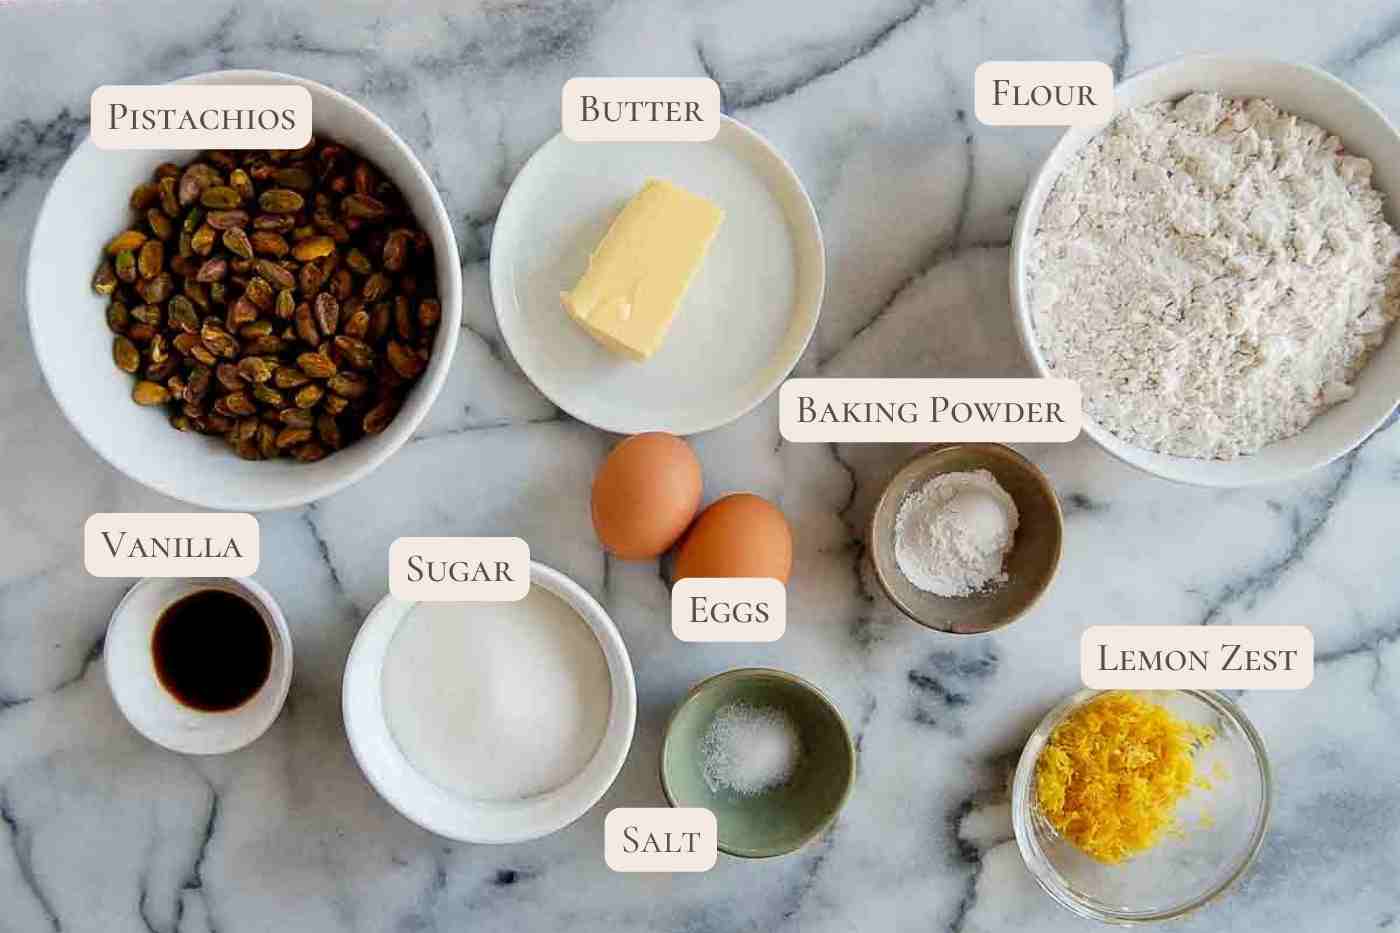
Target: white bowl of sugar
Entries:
(491, 722)
(1310, 94)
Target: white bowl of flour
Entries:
(491, 722)
(1211, 388)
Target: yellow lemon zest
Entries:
(1113, 772)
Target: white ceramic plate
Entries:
(1335, 106)
(451, 815)
(87, 205)
(746, 319)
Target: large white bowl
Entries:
(1336, 107)
(87, 205)
(452, 815)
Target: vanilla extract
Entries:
(212, 650)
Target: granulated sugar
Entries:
(497, 701)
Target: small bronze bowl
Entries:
(1030, 566)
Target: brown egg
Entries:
(742, 535)
(645, 494)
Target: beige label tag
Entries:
(1043, 93)
(486, 570)
(598, 110)
(1216, 657)
(856, 411)
(660, 839)
(729, 609)
(201, 116)
(171, 544)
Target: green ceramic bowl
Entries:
(781, 820)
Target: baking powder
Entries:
(952, 535)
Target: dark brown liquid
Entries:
(212, 650)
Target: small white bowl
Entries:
(87, 205)
(150, 708)
(451, 815)
(1338, 108)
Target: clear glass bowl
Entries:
(1223, 826)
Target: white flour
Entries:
(952, 534)
(1214, 273)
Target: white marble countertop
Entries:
(871, 101)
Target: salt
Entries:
(750, 749)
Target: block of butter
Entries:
(639, 273)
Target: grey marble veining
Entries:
(871, 102)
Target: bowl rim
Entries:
(621, 721)
(1044, 873)
(1037, 190)
(438, 227)
(510, 329)
(885, 502)
(764, 673)
(219, 738)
